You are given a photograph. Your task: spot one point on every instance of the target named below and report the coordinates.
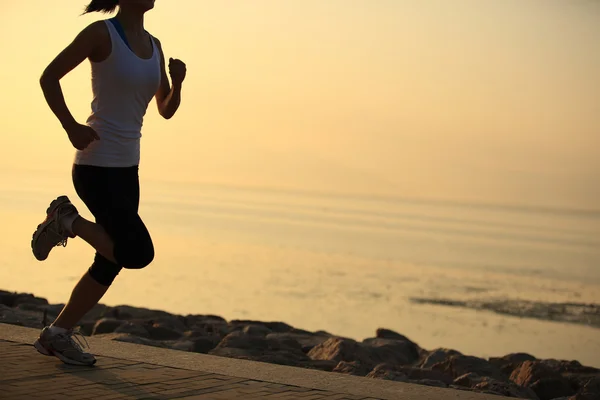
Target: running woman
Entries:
(128, 70)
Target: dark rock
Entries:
(351, 368)
(591, 391)
(544, 381)
(86, 328)
(468, 380)
(204, 344)
(336, 349)
(14, 316)
(268, 356)
(208, 324)
(419, 374)
(159, 331)
(256, 330)
(549, 388)
(133, 328)
(387, 372)
(284, 344)
(383, 333)
(173, 323)
(106, 325)
(234, 352)
(393, 351)
(139, 313)
(436, 356)
(458, 365)
(562, 366)
(185, 345)
(321, 365)
(428, 382)
(123, 337)
(511, 361)
(97, 312)
(282, 357)
(307, 341)
(14, 299)
(278, 327)
(509, 389)
(241, 340)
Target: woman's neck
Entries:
(131, 22)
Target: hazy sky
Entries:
(467, 99)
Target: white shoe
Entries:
(51, 232)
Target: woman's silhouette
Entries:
(128, 70)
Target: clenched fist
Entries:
(177, 70)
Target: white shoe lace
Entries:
(73, 338)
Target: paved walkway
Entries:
(26, 375)
(131, 371)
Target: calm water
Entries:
(344, 264)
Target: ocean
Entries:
(484, 279)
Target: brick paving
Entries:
(26, 374)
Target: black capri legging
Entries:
(113, 195)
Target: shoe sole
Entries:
(42, 350)
(40, 228)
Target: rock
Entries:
(458, 365)
(284, 344)
(429, 382)
(436, 356)
(172, 323)
(256, 330)
(336, 349)
(419, 374)
(268, 356)
(86, 328)
(106, 325)
(208, 324)
(392, 351)
(14, 299)
(160, 331)
(383, 333)
(562, 366)
(322, 365)
(241, 340)
(278, 327)
(14, 316)
(387, 372)
(549, 388)
(186, 345)
(511, 361)
(509, 389)
(545, 382)
(123, 337)
(351, 368)
(468, 380)
(139, 313)
(307, 341)
(204, 344)
(97, 312)
(234, 352)
(591, 391)
(133, 328)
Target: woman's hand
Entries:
(177, 70)
(81, 136)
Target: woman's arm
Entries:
(168, 98)
(85, 45)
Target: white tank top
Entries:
(123, 85)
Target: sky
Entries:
(469, 100)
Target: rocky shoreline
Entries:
(387, 355)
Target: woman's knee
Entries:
(139, 255)
(103, 270)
